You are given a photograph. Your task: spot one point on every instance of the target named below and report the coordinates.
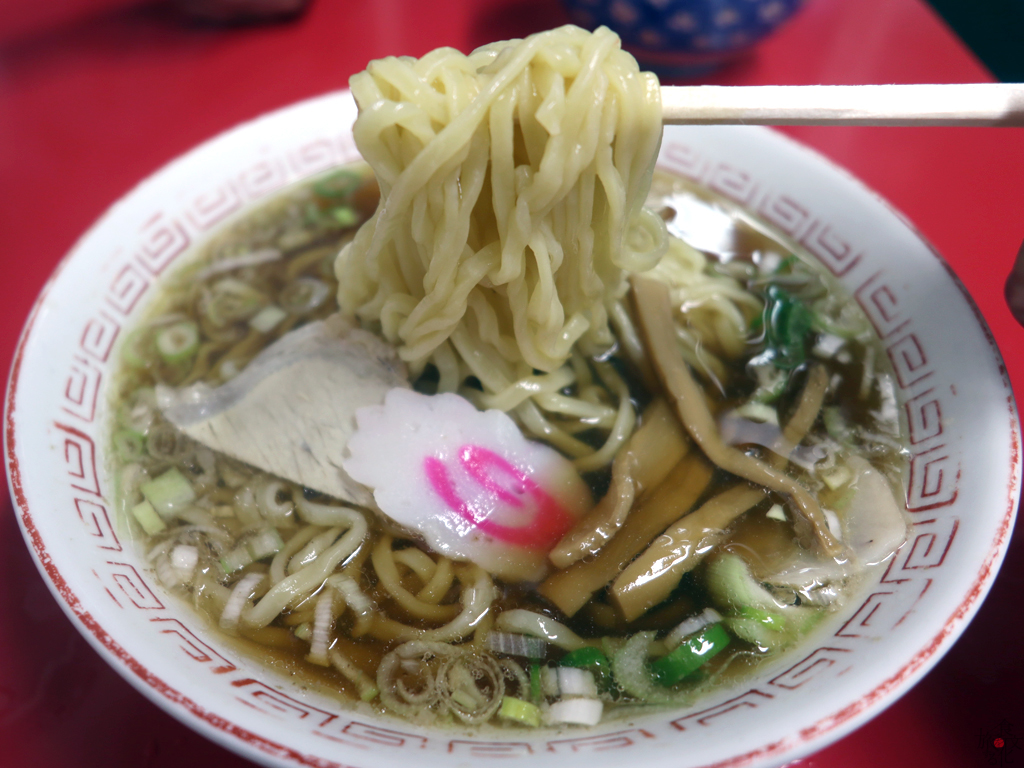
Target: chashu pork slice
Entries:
(291, 411)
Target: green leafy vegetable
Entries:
(789, 325)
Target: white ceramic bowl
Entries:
(963, 482)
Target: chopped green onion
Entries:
(137, 348)
(265, 543)
(732, 586)
(840, 503)
(535, 689)
(147, 517)
(592, 659)
(345, 216)
(177, 342)
(549, 681)
(765, 633)
(757, 411)
(230, 300)
(770, 619)
(295, 238)
(690, 625)
(828, 345)
(463, 698)
(184, 558)
(576, 682)
(267, 318)
(633, 674)
(169, 492)
(129, 445)
(236, 559)
(576, 711)
(515, 644)
(304, 294)
(520, 711)
(338, 184)
(836, 425)
(693, 653)
(368, 689)
(776, 513)
(303, 631)
(836, 477)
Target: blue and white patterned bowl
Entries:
(684, 38)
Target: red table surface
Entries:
(90, 106)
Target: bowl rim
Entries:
(256, 747)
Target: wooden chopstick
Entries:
(958, 104)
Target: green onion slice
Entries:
(592, 659)
(339, 184)
(177, 342)
(129, 445)
(520, 711)
(694, 652)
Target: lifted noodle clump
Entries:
(512, 184)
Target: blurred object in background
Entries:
(1014, 288)
(684, 38)
(240, 11)
(21, 19)
(993, 29)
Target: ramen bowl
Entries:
(962, 478)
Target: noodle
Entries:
(511, 182)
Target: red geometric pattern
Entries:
(685, 160)
(733, 183)
(601, 743)
(97, 521)
(81, 390)
(749, 700)
(162, 241)
(881, 304)
(127, 288)
(924, 416)
(192, 646)
(820, 661)
(79, 452)
(98, 336)
(870, 619)
(934, 478)
(131, 585)
(474, 750)
(369, 734)
(210, 209)
(314, 157)
(273, 702)
(930, 547)
(909, 360)
(832, 250)
(788, 216)
(262, 178)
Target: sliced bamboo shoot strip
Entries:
(651, 577)
(992, 104)
(654, 313)
(642, 464)
(571, 588)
